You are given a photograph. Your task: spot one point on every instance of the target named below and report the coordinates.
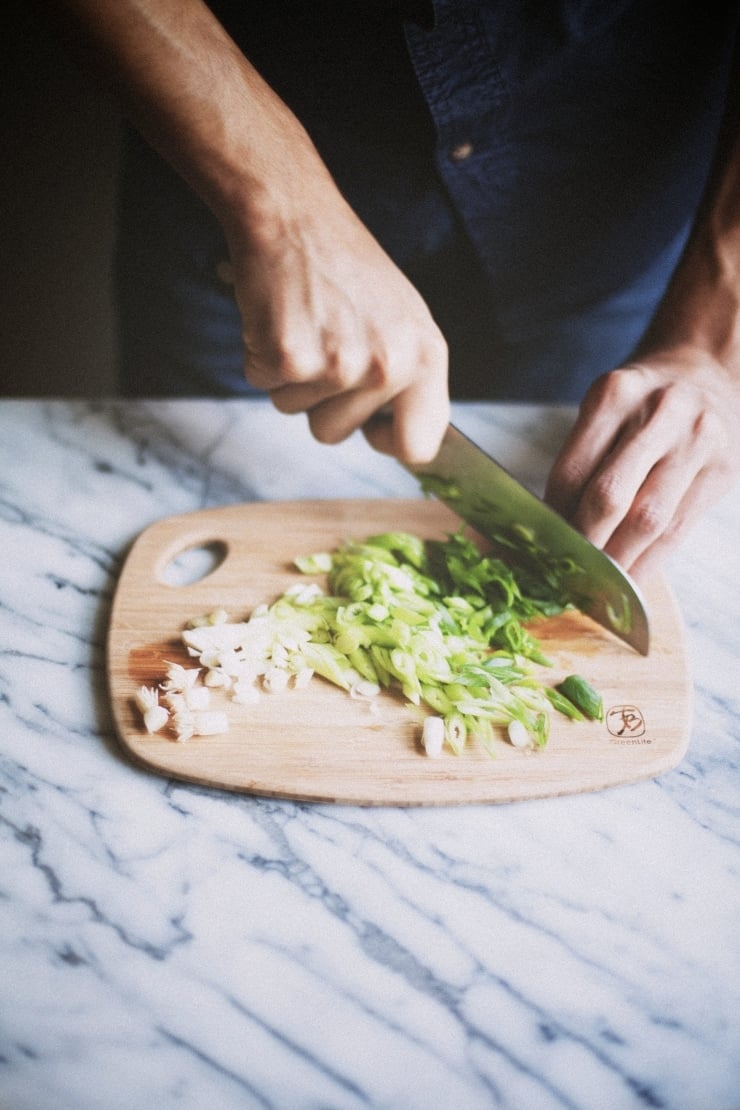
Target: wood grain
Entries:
(319, 744)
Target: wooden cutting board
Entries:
(319, 743)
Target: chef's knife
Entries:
(486, 496)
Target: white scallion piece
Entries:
(275, 680)
(519, 736)
(456, 733)
(187, 723)
(155, 715)
(433, 736)
(179, 679)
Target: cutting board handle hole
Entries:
(193, 563)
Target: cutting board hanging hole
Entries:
(193, 563)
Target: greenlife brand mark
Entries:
(626, 725)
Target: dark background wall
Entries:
(58, 150)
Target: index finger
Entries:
(411, 426)
(598, 426)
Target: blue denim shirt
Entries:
(535, 168)
(575, 141)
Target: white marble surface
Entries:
(169, 946)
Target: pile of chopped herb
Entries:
(437, 621)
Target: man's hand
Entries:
(654, 446)
(334, 329)
(655, 442)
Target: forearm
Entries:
(331, 326)
(701, 309)
(194, 96)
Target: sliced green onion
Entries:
(583, 696)
(437, 621)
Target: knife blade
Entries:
(486, 496)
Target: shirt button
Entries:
(461, 151)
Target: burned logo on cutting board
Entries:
(626, 725)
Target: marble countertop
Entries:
(167, 945)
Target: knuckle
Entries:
(599, 389)
(431, 355)
(701, 427)
(569, 474)
(606, 494)
(671, 402)
(610, 389)
(381, 373)
(345, 370)
(621, 390)
(650, 517)
(278, 367)
(295, 366)
(293, 358)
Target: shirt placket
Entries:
(468, 98)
